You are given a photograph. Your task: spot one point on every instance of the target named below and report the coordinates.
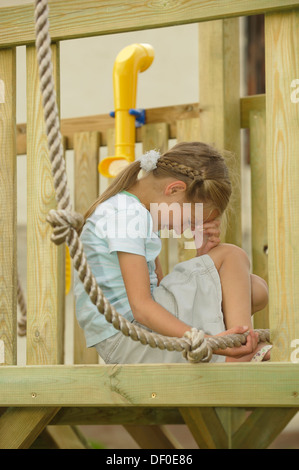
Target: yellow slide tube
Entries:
(130, 60)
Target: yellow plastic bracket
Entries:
(129, 62)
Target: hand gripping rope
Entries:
(66, 223)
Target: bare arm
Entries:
(152, 315)
(158, 270)
(145, 310)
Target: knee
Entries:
(260, 293)
(234, 251)
(228, 252)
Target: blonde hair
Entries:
(198, 164)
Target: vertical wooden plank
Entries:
(220, 124)
(110, 150)
(219, 97)
(231, 419)
(111, 142)
(282, 118)
(206, 427)
(259, 238)
(86, 151)
(188, 130)
(155, 137)
(8, 277)
(262, 427)
(45, 270)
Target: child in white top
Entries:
(121, 243)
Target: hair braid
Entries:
(191, 173)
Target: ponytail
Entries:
(121, 182)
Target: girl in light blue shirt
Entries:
(187, 186)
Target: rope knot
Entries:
(200, 350)
(63, 222)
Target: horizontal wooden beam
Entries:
(103, 122)
(169, 114)
(75, 19)
(79, 416)
(165, 385)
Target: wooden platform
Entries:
(204, 396)
(158, 385)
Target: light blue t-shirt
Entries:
(121, 223)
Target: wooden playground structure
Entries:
(243, 405)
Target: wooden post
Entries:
(45, 270)
(259, 239)
(219, 97)
(282, 117)
(188, 130)
(8, 263)
(220, 123)
(86, 150)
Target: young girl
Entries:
(214, 291)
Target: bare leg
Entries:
(259, 293)
(233, 266)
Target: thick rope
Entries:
(65, 223)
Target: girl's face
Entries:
(192, 216)
(181, 215)
(172, 211)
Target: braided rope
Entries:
(65, 223)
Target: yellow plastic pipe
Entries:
(130, 60)
(68, 271)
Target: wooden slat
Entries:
(282, 117)
(45, 270)
(19, 427)
(86, 150)
(251, 103)
(168, 114)
(171, 385)
(110, 152)
(231, 419)
(8, 264)
(155, 136)
(74, 18)
(188, 130)
(104, 123)
(66, 437)
(259, 239)
(206, 427)
(118, 415)
(219, 94)
(262, 427)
